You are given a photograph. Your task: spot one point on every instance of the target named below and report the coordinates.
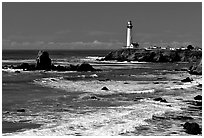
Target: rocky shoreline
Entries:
(174, 105)
(154, 55)
(43, 62)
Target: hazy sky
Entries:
(99, 25)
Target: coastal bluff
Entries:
(154, 55)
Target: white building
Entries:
(129, 35)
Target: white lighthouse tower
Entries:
(129, 35)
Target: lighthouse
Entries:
(129, 35)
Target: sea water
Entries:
(73, 103)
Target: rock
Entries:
(192, 128)
(104, 79)
(43, 61)
(159, 78)
(198, 97)
(160, 99)
(17, 71)
(138, 98)
(198, 103)
(93, 97)
(200, 85)
(187, 80)
(105, 88)
(73, 67)
(85, 67)
(24, 66)
(62, 68)
(21, 110)
(159, 117)
(182, 118)
(196, 69)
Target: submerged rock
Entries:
(198, 97)
(105, 88)
(21, 110)
(93, 97)
(17, 71)
(200, 85)
(160, 99)
(182, 118)
(192, 128)
(85, 67)
(187, 80)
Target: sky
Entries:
(99, 25)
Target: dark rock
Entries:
(182, 118)
(24, 66)
(200, 85)
(22, 121)
(194, 108)
(169, 105)
(192, 128)
(17, 71)
(197, 103)
(73, 67)
(187, 80)
(138, 98)
(159, 117)
(160, 78)
(85, 67)
(160, 99)
(21, 110)
(176, 70)
(105, 88)
(198, 97)
(43, 61)
(93, 97)
(104, 79)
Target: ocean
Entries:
(73, 103)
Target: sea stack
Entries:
(43, 61)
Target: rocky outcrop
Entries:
(154, 55)
(196, 69)
(85, 67)
(104, 88)
(43, 61)
(187, 80)
(198, 97)
(160, 99)
(192, 128)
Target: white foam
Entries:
(11, 70)
(103, 122)
(95, 86)
(19, 61)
